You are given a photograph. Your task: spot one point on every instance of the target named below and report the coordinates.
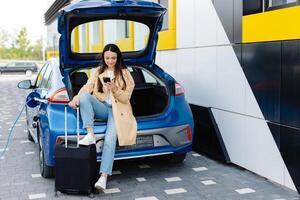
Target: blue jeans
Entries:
(91, 107)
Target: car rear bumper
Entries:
(152, 142)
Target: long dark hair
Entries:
(119, 64)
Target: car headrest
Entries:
(137, 77)
(79, 78)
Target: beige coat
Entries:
(124, 120)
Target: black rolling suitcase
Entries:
(75, 166)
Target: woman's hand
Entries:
(111, 86)
(74, 103)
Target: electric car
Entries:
(164, 119)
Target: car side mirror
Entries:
(25, 84)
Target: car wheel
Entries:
(176, 158)
(46, 171)
(28, 72)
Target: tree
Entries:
(5, 39)
(19, 47)
(22, 44)
(37, 48)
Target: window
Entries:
(142, 76)
(149, 77)
(48, 85)
(40, 76)
(275, 4)
(24, 64)
(280, 2)
(115, 31)
(11, 65)
(20, 65)
(46, 77)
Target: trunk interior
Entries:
(150, 95)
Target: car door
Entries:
(10, 67)
(19, 67)
(40, 87)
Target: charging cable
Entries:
(11, 130)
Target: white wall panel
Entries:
(205, 23)
(185, 23)
(158, 59)
(167, 60)
(198, 24)
(204, 86)
(230, 81)
(110, 30)
(251, 145)
(140, 31)
(82, 40)
(185, 70)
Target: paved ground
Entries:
(198, 177)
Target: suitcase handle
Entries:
(66, 126)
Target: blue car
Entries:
(164, 119)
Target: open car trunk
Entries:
(148, 99)
(150, 95)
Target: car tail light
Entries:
(179, 90)
(189, 135)
(60, 96)
(58, 140)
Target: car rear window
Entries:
(130, 36)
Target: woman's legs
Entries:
(109, 145)
(108, 151)
(90, 107)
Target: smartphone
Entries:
(106, 79)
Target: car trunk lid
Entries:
(144, 12)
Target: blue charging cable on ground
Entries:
(31, 102)
(10, 133)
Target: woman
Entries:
(108, 100)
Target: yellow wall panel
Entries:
(76, 39)
(96, 48)
(87, 37)
(125, 44)
(281, 24)
(167, 38)
(52, 54)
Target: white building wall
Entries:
(207, 67)
(140, 31)
(110, 31)
(53, 36)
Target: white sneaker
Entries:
(87, 140)
(101, 183)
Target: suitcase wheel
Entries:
(91, 195)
